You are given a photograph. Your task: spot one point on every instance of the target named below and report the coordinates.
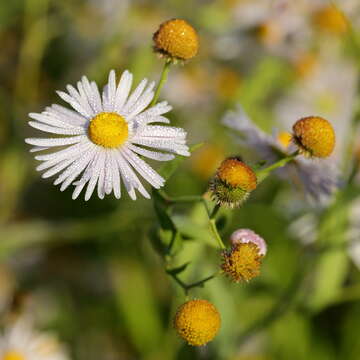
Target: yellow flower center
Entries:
(197, 322)
(177, 39)
(242, 262)
(314, 136)
(284, 138)
(331, 19)
(13, 355)
(108, 129)
(237, 174)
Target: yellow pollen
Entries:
(197, 322)
(314, 136)
(176, 38)
(13, 355)
(237, 174)
(242, 262)
(108, 129)
(331, 19)
(284, 138)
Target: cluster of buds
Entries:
(198, 321)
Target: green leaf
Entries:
(179, 269)
(332, 266)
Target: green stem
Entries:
(162, 81)
(263, 173)
(213, 226)
(188, 287)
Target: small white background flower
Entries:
(104, 137)
(21, 342)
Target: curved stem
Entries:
(213, 226)
(263, 173)
(162, 81)
(188, 287)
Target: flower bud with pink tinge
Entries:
(243, 236)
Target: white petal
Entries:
(63, 154)
(97, 97)
(38, 148)
(66, 115)
(56, 130)
(50, 119)
(73, 154)
(161, 131)
(71, 101)
(130, 179)
(135, 96)
(108, 174)
(79, 164)
(92, 177)
(91, 95)
(123, 90)
(55, 141)
(77, 190)
(142, 102)
(101, 180)
(143, 168)
(60, 166)
(176, 147)
(109, 92)
(115, 175)
(151, 154)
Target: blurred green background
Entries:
(89, 271)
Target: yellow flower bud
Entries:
(176, 39)
(197, 322)
(233, 182)
(242, 262)
(314, 136)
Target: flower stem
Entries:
(162, 81)
(263, 173)
(188, 287)
(213, 227)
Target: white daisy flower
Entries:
(104, 137)
(21, 342)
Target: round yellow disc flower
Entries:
(242, 262)
(176, 39)
(197, 322)
(314, 136)
(108, 129)
(331, 19)
(233, 182)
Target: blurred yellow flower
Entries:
(331, 19)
